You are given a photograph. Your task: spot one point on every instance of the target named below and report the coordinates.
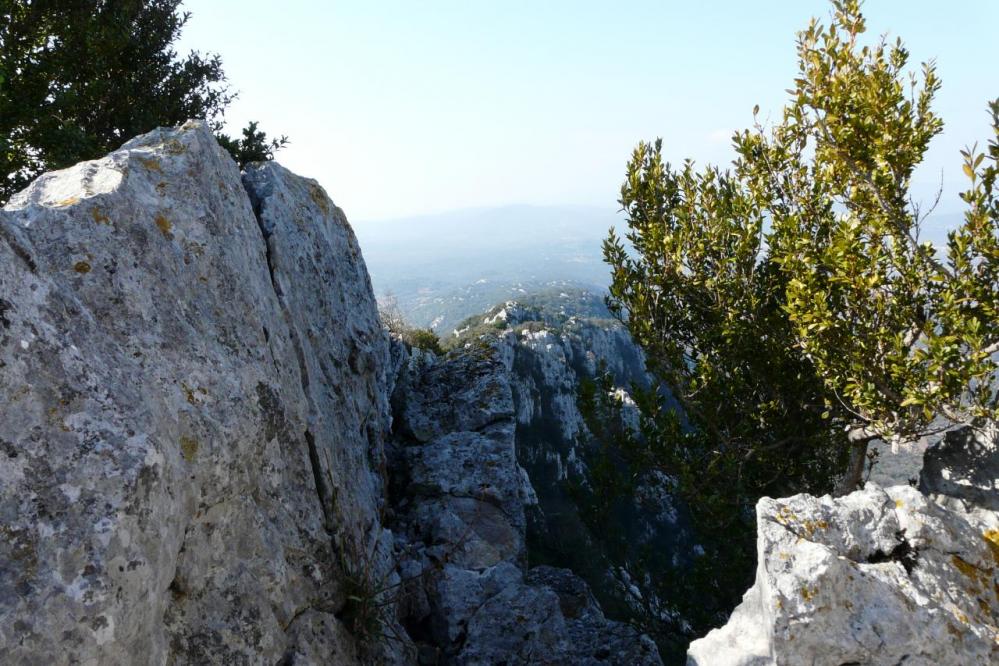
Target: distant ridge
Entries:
(442, 268)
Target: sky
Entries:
(403, 108)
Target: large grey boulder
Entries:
(881, 576)
(191, 414)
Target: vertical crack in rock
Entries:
(323, 490)
(18, 249)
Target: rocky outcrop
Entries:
(962, 469)
(207, 440)
(459, 518)
(179, 411)
(551, 346)
(881, 576)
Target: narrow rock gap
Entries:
(903, 553)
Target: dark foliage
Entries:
(253, 147)
(80, 77)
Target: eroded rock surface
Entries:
(551, 346)
(462, 527)
(197, 396)
(881, 576)
(961, 470)
(180, 397)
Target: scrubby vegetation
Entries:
(254, 146)
(789, 305)
(418, 338)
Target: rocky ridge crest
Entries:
(211, 451)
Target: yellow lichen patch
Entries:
(992, 541)
(151, 163)
(779, 604)
(811, 526)
(785, 516)
(81, 267)
(899, 504)
(968, 569)
(193, 395)
(98, 216)
(188, 448)
(319, 197)
(808, 594)
(174, 147)
(164, 226)
(67, 202)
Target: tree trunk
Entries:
(854, 477)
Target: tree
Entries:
(902, 336)
(788, 303)
(835, 325)
(699, 292)
(253, 147)
(77, 79)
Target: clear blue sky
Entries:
(405, 107)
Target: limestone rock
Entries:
(962, 469)
(463, 395)
(881, 576)
(174, 389)
(461, 505)
(550, 351)
(590, 637)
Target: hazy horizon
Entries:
(400, 109)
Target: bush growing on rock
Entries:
(420, 338)
(788, 303)
(254, 146)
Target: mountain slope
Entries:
(443, 268)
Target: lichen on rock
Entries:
(880, 576)
(146, 520)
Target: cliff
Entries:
(211, 451)
(623, 546)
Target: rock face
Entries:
(460, 523)
(550, 346)
(881, 576)
(177, 408)
(962, 469)
(207, 440)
